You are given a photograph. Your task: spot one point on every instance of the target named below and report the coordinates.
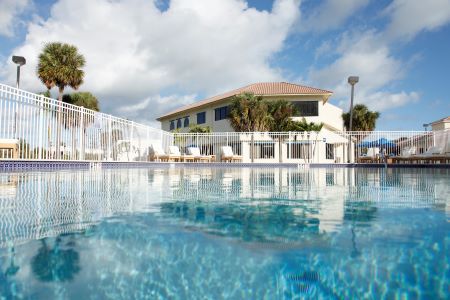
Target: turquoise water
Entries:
(225, 234)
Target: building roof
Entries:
(260, 89)
(444, 120)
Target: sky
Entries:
(147, 57)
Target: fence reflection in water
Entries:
(36, 205)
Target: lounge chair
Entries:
(371, 156)
(195, 152)
(157, 153)
(227, 154)
(428, 156)
(9, 148)
(175, 154)
(405, 155)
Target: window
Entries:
(179, 123)
(329, 151)
(172, 125)
(186, 122)
(306, 108)
(201, 118)
(221, 113)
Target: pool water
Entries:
(213, 233)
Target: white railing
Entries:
(45, 129)
(324, 146)
(33, 127)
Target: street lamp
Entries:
(352, 80)
(19, 61)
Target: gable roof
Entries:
(260, 89)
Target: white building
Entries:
(312, 104)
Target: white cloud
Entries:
(157, 105)
(135, 51)
(364, 54)
(330, 14)
(382, 101)
(410, 17)
(9, 10)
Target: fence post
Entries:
(82, 137)
(40, 129)
(280, 148)
(252, 144)
(109, 139)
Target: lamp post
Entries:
(352, 80)
(19, 61)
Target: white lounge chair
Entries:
(195, 152)
(427, 156)
(371, 156)
(157, 153)
(174, 153)
(228, 155)
(405, 154)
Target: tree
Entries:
(60, 65)
(248, 113)
(281, 112)
(199, 129)
(303, 125)
(72, 119)
(363, 118)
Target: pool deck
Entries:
(7, 165)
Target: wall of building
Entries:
(440, 125)
(329, 114)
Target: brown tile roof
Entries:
(263, 89)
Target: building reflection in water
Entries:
(37, 205)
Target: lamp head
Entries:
(353, 80)
(20, 60)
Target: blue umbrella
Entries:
(382, 142)
(385, 143)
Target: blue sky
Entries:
(147, 57)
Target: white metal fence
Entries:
(33, 127)
(324, 146)
(45, 129)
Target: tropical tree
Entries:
(249, 113)
(304, 125)
(280, 113)
(60, 65)
(363, 118)
(199, 129)
(72, 119)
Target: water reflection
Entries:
(38, 205)
(59, 262)
(278, 232)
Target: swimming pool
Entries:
(216, 233)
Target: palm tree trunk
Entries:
(59, 124)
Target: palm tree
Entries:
(248, 113)
(303, 125)
(60, 65)
(363, 118)
(72, 119)
(199, 129)
(281, 112)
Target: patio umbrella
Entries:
(385, 143)
(382, 142)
